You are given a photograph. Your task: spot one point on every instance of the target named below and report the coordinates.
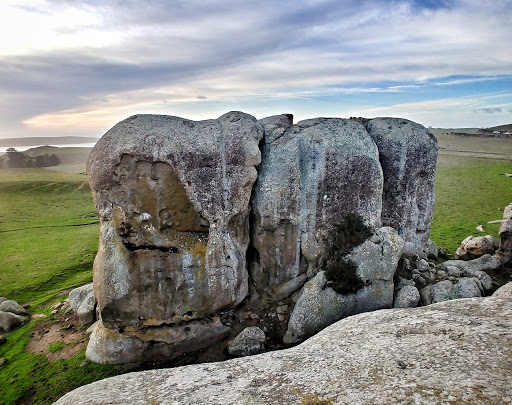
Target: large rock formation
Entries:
(173, 199)
(408, 154)
(313, 174)
(451, 352)
(185, 251)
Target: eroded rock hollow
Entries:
(210, 227)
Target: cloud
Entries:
(492, 110)
(66, 57)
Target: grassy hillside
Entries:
(49, 233)
(507, 127)
(68, 155)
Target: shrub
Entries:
(341, 272)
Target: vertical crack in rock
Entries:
(312, 175)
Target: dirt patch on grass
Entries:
(57, 337)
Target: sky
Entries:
(76, 68)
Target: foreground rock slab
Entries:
(452, 352)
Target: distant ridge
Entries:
(507, 127)
(47, 140)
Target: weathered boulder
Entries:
(173, 200)
(473, 247)
(319, 305)
(12, 306)
(248, 342)
(465, 287)
(83, 302)
(312, 175)
(8, 320)
(406, 297)
(434, 354)
(408, 155)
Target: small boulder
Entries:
(473, 247)
(248, 342)
(8, 320)
(12, 306)
(431, 251)
(3, 340)
(407, 297)
(446, 290)
(83, 302)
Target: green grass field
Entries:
(49, 231)
(49, 234)
(469, 192)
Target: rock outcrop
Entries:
(313, 174)
(173, 199)
(202, 222)
(450, 352)
(408, 155)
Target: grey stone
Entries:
(9, 321)
(319, 305)
(407, 297)
(3, 360)
(173, 200)
(465, 287)
(428, 355)
(402, 282)
(408, 154)
(83, 302)
(312, 175)
(422, 266)
(3, 340)
(431, 250)
(482, 276)
(12, 306)
(2, 299)
(177, 251)
(107, 346)
(426, 295)
(248, 342)
(453, 271)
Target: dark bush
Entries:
(339, 270)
